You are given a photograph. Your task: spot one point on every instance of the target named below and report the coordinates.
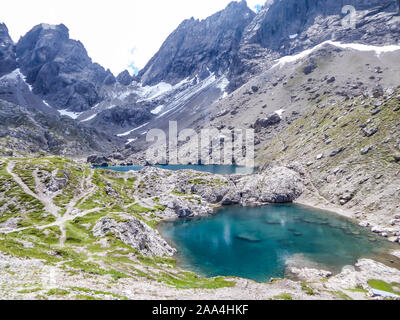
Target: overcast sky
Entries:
(116, 33)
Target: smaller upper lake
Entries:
(215, 169)
(259, 243)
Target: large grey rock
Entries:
(97, 160)
(185, 207)
(270, 120)
(276, 185)
(136, 234)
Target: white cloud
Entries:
(115, 33)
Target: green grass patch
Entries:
(283, 296)
(57, 292)
(393, 287)
(189, 280)
(309, 291)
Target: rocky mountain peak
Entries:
(199, 47)
(125, 78)
(7, 51)
(59, 68)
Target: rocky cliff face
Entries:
(59, 69)
(199, 47)
(8, 61)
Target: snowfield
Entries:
(133, 130)
(73, 115)
(354, 46)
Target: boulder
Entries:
(97, 160)
(336, 152)
(366, 150)
(369, 131)
(270, 120)
(136, 234)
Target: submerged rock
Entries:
(248, 237)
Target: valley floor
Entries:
(70, 232)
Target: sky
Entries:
(118, 34)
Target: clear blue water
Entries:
(216, 169)
(256, 243)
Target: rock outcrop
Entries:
(190, 193)
(125, 78)
(276, 185)
(136, 234)
(125, 116)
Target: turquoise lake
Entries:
(215, 169)
(257, 243)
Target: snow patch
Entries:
(222, 85)
(158, 109)
(150, 93)
(185, 95)
(280, 112)
(47, 26)
(130, 141)
(90, 118)
(45, 102)
(133, 130)
(70, 114)
(355, 46)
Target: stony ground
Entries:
(70, 232)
